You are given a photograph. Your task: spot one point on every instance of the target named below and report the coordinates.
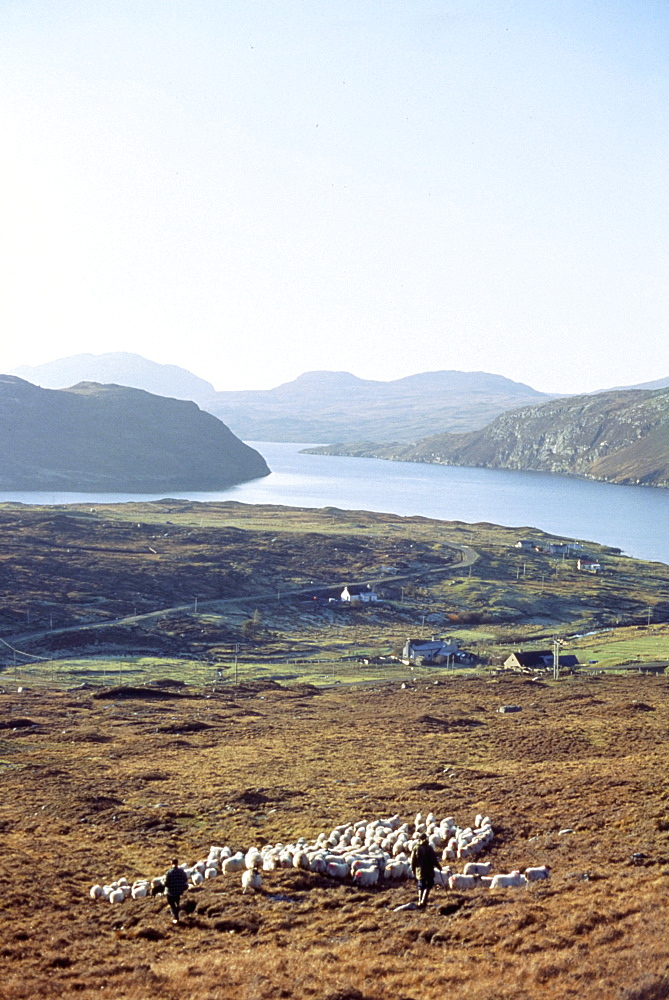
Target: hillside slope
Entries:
(112, 438)
(619, 437)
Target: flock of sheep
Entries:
(366, 852)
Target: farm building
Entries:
(538, 659)
(359, 595)
(588, 565)
(428, 651)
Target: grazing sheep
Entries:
(301, 860)
(366, 876)
(367, 850)
(338, 869)
(234, 864)
(478, 868)
(457, 881)
(253, 858)
(536, 874)
(251, 879)
(512, 880)
(318, 864)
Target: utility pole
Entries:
(556, 658)
(195, 609)
(236, 664)
(649, 612)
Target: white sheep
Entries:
(457, 881)
(512, 880)
(140, 890)
(536, 874)
(234, 864)
(116, 895)
(366, 876)
(96, 892)
(478, 868)
(337, 869)
(251, 879)
(253, 858)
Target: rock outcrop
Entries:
(619, 437)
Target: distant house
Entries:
(359, 595)
(525, 543)
(588, 565)
(558, 548)
(428, 651)
(537, 659)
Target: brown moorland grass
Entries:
(98, 787)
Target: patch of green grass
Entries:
(640, 648)
(119, 670)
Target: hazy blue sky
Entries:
(256, 188)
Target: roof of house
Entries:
(539, 657)
(428, 643)
(359, 589)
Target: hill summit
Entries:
(119, 368)
(113, 438)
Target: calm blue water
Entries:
(634, 518)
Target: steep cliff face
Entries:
(111, 438)
(621, 437)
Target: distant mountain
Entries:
(110, 438)
(659, 383)
(317, 406)
(619, 437)
(338, 406)
(119, 368)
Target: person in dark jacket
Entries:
(423, 864)
(176, 883)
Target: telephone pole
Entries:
(556, 657)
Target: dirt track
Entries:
(96, 788)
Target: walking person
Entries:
(176, 883)
(424, 861)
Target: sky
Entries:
(252, 189)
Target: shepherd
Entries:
(423, 864)
(176, 883)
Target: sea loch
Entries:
(633, 518)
